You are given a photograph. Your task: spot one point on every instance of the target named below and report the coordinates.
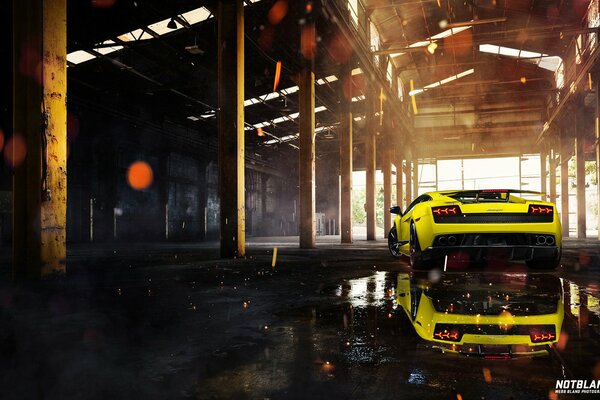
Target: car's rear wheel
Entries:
(393, 243)
(416, 256)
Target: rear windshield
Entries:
(479, 197)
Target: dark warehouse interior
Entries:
(194, 199)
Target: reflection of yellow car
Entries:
(507, 316)
(477, 223)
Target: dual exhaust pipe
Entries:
(447, 240)
(544, 240)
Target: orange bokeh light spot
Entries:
(278, 12)
(140, 175)
(487, 375)
(15, 151)
(340, 49)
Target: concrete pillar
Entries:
(597, 136)
(580, 170)
(552, 183)
(370, 164)
(543, 181)
(565, 155)
(399, 179)
(306, 197)
(163, 192)
(409, 184)
(230, 21)
(415, 177)
(202, 201)
(387, 190)
(345, 158)
(39, 99)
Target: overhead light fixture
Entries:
(172, 24)
(431, 48)
(194, 49)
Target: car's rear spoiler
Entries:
(476, 193)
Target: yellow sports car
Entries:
(476, 225)
(494, 316)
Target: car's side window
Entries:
(420, 199)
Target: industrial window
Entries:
(353, 7)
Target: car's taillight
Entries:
(445, 211)
(540, 210)
(538, 335)
(447, 332)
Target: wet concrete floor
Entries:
(162, 322)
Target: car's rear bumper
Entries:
(505, 252)
(495, 351)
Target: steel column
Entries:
(415, 177)
(230, 21)
(564, 187)
(345, 159)
(409, 182)
(597, 136)
(40, 116)
(306, 84)
(552, 164)
(580, 170)
(387, 190)
(399, 179)
(370, 164)
(543, 173)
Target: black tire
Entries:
(393, 245)
(416, 257)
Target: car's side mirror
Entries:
(396, 210)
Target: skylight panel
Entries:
(442, 82)
(251, 101)
(507, 51)
(550, 63)
(531, 54)
(138, 34)
(545, 61)
(79, 56)
(290, 90)
(105, 49)
(428, 41)
(450, 32)
(197, 15)
(161, 27)
(489, 48)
